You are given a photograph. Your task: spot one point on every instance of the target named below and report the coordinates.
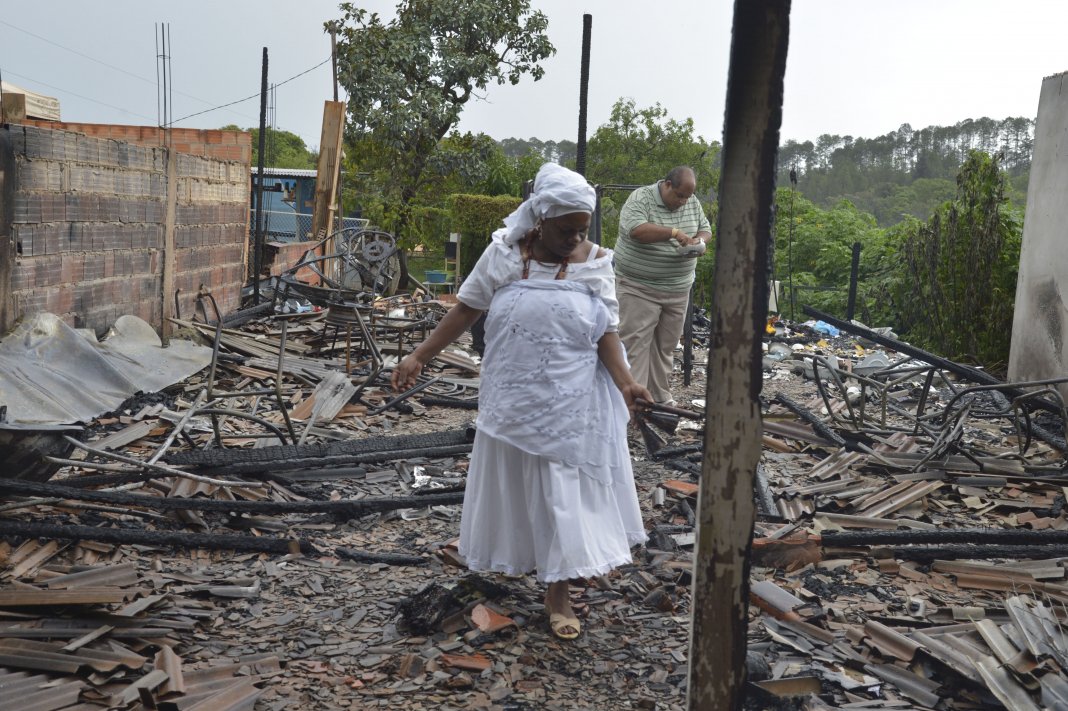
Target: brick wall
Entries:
(89, 220)
(280, 256)
(209, 143)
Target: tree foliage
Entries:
(906, 172)
(476, 217)
(283, 149)
(638, 146)
(814, 251)
(958, 286)
(409, 79)
(562, 152)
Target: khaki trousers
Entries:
(650, 326)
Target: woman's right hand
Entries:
(406, 374)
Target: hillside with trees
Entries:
(905, 172)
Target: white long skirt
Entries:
(526, 513)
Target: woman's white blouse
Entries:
(501, 264)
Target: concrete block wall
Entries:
(207, 143)
(89, 217)
(210, 231)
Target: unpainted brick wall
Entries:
(89, 219)
(208, 143)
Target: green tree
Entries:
(283, 149)
(958, 283)
(409, 79)
(814, 251)
(638, 147)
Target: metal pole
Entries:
(790, 246)
(854, 271)
(687, 340)
(257, 248)
(584, 86)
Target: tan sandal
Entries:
(559, 621)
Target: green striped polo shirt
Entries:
(657, 265)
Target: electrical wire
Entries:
(85, 98)
(98, 61)
(140, 78)
(251, 96)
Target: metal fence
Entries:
(281, 226)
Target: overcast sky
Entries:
(854, 67)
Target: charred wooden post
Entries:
(739, 307)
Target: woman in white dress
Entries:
(550, 487)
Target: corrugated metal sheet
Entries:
(123, 575)
(36, 597)
(20, 691)
(915, 687)
(48, 656)
(836, 464)
(891, 642)
(1004, 687)
(953, 658)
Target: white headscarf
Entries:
(557, 191)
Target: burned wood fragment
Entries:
(280, 453)
(347, 508)
(444, 401)
(979, 537)
(249, 544)
(928, 554)
(387, 558)
(267, 470)
(424, 611)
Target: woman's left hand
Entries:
(631, 393)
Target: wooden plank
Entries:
(329, 168)
(131, 433)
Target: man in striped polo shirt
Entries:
(662, 231)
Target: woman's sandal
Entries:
(559, 621)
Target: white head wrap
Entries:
(557, 191)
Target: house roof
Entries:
(287, 172)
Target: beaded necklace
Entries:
(527, 250)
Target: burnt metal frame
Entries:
(211, 397)
(334, 290)
(945, 427)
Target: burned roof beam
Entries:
(248, 544)
(350, 508)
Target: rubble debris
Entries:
(323, 574)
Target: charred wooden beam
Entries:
(126, 536)
(349, 508)
(387, 558)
